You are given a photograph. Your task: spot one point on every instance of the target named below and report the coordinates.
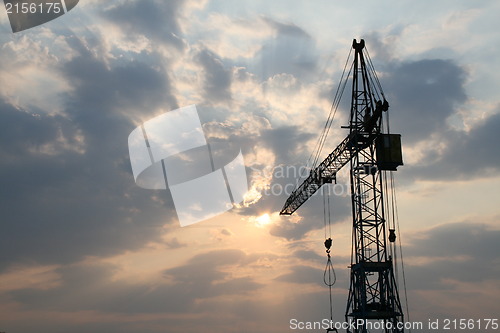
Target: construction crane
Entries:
(372, 153)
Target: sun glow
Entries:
(263, 220)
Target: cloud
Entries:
(26, 132)
(292, 50)
(66, 181)
(467, 155)
(425, 97)
(133, 86)
(309, 256)
(310, 216)
(285, 142)
(422, 95)
(454, 239)
(465, 252)
(174, 243)
(156, 20)
(292, 230)
(217, 80)
(289, 29)
(93, 286)
(303, 274)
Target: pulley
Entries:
(328, 245)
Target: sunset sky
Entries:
(84, 249)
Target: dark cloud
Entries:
(466, 252)
(138, 87)
(422, 95)
(309, 256)
(476, 152)
(303, 274)
(67, 186)
(93, 287)
(382, 47)
(29, 130)
(292, 50)
(174, 243)
(468, 155)
(285, 142)
(477, 240)
(157, 20)
(293, 231)
(217, 80)
(289, 29)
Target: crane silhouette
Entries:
(372, 153)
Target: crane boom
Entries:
(326, 172)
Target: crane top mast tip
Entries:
(358, 46)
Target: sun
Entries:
(263, 220)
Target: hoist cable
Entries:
(334, 108)
(386, 207)
(316, 153)
(332, 276)
(329, 215)
(329, 278)
(372, 68)
(324, 209)
(393, 185)
(371, 74)
(329, 275)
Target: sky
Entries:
(84, 249)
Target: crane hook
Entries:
(328, 245)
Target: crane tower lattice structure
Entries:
(371, 151)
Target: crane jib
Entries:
(326, 172)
